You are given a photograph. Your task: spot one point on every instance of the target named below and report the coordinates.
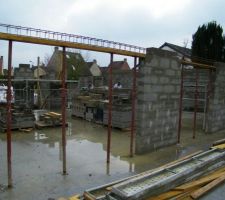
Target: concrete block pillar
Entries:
(157, 100)
(215, 119)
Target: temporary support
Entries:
(9, 116)
(109, 110)
(180, 103)
(209, 88)
(196, 102)
(133, 108)
(64, 110)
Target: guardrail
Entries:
(65, 37)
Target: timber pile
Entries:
(202, 182)
(22, 118)
(49, 119)
(194, 189)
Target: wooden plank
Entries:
(185, 194)
(200, 192)
(220, 146)
(200, 182)
(166, 195)
(88, 196)
(27, 130)
(219, 142)
(54, 113)
(75, 197)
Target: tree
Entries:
(208, 43)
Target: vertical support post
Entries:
(9, 116)
(26, 92)
(209, 87)
(64, 110)
(180, 103)
(196, 103)
(109, 110)
(133, 108)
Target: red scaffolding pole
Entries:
(109, 110)
(64, 110)
(196, 103)
(9, 116)
(133, 108)
(180, 103)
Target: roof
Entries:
(120, 65)
(89, 64)
(182, 50)
(75, 64)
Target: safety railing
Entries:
(65, 37)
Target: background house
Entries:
(121, 72)
(75, 65)
(181, 51)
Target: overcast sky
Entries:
(146, 23)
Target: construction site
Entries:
(153, 129)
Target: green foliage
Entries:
(208, 42)
(76, 66)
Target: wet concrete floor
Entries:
(37, 159)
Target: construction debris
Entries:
(189, 177)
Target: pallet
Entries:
(27, 130)
(24, 129)
(41, 124)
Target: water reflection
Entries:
(39, 136)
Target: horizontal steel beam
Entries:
(51, 42)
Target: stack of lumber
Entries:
(200, 187)
(49, 119)
(194, 189)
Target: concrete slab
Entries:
(37, 159)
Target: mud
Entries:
(37, 158)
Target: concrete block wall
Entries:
(157, 100)
(189, 88)
(216, 108)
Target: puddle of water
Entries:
(37, 159)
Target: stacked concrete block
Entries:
(78, 109)
(216, 107)
(157, 100)
(21, 118)
(121, 116)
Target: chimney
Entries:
(125, 60)
(1, 64)
(38, 61)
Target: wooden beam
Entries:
(197, 65)
(200, 192)
(200, 182)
